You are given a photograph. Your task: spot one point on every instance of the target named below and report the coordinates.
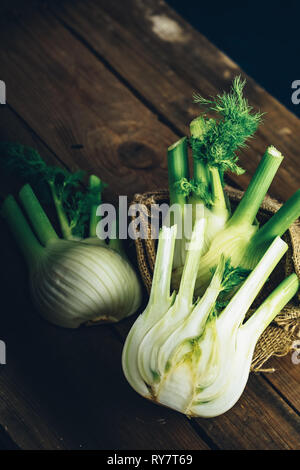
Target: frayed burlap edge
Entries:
(278, 338)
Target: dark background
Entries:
(262, 37)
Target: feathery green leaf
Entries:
(75, 198)
(186, 187)
(222, 137)
(232, 278)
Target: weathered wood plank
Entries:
(285, 378)
(165, 60)
(121, 139)
(260, 420)
(6, 443)
(65, 389)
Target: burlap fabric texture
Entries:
(280, 336)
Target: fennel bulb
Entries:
(185, 354)
(73, 280)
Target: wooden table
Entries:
(106, 86)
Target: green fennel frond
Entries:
(25, 163)
(232, 278)
(21, 160)
(201, 190)
(183, 186)
(187, 187)
(223, 136)
(75, 198)
(78, 201)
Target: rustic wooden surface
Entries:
(106, 86)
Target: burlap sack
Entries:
(279, 337)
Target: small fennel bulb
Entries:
(74, 283)
(73, 280)
(186, 354)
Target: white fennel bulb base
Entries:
(187, 355)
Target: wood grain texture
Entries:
(6, 443)
(68, 96)
(285, 379)
(260, 420)
(165, 60)
(78, 108)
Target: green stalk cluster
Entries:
(214, 143)
(241, 239)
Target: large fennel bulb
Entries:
(187, 355)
